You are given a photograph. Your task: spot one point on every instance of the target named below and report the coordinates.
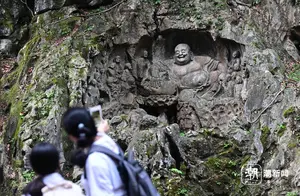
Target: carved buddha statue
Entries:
(185, 69)
(194, 72)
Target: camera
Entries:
(96, 113)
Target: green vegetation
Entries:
(265, 132)
(220, 164)
(176, 186)
(186, 12)
(289, 111)
(209, 132)
(291, 194)
(157, 2)
(65, 30)
(292, 144)
(281, 129)
(295, 73)
(18, 163)
(176, 171)
(245, 160)
(59, 81)
(28, 175)
(124, 117)
(219, 24)
(228, 144)
(15, 95)
(45, 52)
(256, 44)
(183, 167)
(182, 191)
(256, 2)
(98, 10)
(235, 174)
(224, 168)
(212, 17)
(227, 148)
(175, 183)
(90, 28)
(219, 4)
(60, 28)
(7, 22)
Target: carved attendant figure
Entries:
(229, 88)
(140, 69)
(127, 78)
(236, 62)
(119, 67)
(113, 76)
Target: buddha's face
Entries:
(182, 54)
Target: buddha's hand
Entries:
(103, 126)
(201, 80)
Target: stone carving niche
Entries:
(182, 77)
(206, 77)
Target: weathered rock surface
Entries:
(198, 89)
(41, 6)
(5, 46)
(45, 5)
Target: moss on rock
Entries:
(281, 129)
(288, 112)
(265, 132)
(292, 144)
(41, 96)
(295, 73)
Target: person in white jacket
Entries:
(101, 174)
(44, 160)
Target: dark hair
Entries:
(79, 123)
(44, 159)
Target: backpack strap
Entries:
(108, 152)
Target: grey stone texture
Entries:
(197, 88)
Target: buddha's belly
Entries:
(195, 79)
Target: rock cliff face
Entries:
(200, 89)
